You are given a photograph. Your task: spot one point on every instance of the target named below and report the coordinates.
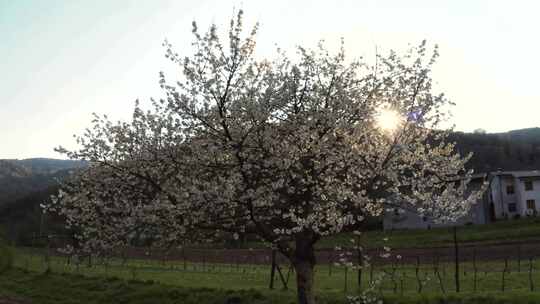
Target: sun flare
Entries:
(388, 119)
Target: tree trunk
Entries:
(304, 264)
(304, 282)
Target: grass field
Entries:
(499, 232)
(398, 279)
(151, 281)
(52, 288)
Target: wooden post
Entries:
(530, 274)
(519, 258)
(345, 288)
(360, 261)
(438, 274)
(273, 269)
(184, 257)
(503, 274)
(283, 280)
(417, 273)
(475, 269)
(393, 277)
(331, 261)
(48, 255)
(456, 259)
(441, 282)
(203, 261)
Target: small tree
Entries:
(289, 150)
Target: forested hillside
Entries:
(19, 178)
(24, 185)
(514, 150)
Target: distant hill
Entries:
(45, 165)
(19, 178)
(9, 169)
(22, 219)
(24, 185)
(513, 150)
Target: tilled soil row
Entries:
(466, 252)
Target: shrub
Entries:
(6, 256)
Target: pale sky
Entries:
(62, 60)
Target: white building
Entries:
(514, 194)
(510, 194)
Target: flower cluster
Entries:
(288, 150)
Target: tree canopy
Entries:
(291, 150)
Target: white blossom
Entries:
(289, 150)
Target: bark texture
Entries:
(304, 263)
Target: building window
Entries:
(531, 204)
(510, 189)
(512, 207)
(528, 186)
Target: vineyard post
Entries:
(444, 269)
(438, 274)
(371, 265)
(346, 269)
(213, 264)
(519, 257)
(124, 257)
(184, 257)
(203, 261)
(273, 269)
(475, 269)
(436, 262)
(401, 283)
(530, 274)
(89, 265)
(360, 261)
(456, 259)
(393, 278)
(331, 261)
(503, 274)
(106, 266)
(164, 259)
(48, 255)
(417, 273)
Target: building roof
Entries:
(518, 174)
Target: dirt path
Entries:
(6, 300)
(467, 252)
(518, 250)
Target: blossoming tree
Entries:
(291, 150)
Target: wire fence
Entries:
(461, 268)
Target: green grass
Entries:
(328, 279)
(6, 256)
(499, 232)
(495, 233)
(147, 281)
(53, 288)
(69, 288)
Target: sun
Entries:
(388, 119)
